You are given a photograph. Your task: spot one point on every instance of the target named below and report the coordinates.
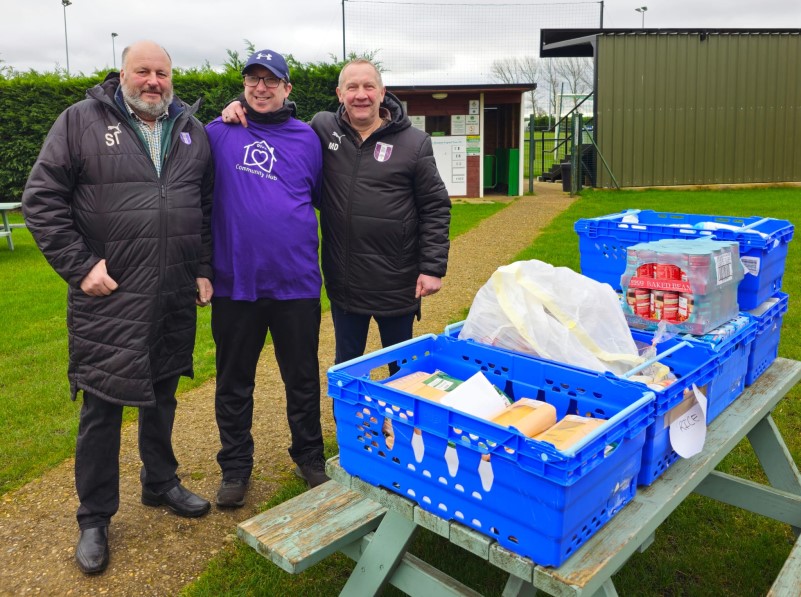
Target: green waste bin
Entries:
(513, 177)
(508, 166)
(490, 174)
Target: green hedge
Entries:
(31, 102)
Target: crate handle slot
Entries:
(753, 224)
(655, 359)
(381, 357)
(628, 212)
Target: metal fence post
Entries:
(531, 150)
(575, 155)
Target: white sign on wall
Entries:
(450, 154)
(458, 124)
(418, 122)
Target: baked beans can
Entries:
(684, 267)
(658, 297)
(632, 259)
(631, 299)
(699, 266)
(686, 301)
(647, 265)
(670, 310)
(668, 271)
(642, 297)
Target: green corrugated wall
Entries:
(673, 109)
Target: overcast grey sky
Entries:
(196, 31)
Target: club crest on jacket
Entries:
(382, 151)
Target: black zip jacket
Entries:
(94, 194)
(385, 213)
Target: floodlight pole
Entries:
(65, 4)
(642, 10)
(344, 57)
(114, 50)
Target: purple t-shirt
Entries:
(263, 222)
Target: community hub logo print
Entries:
(259, 159)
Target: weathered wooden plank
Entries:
(382, 557)
(510, 562)
(775, 458)
(788, 583)
(334, 470)
(432, 522)
(414, 576)
(754, 497)
(471, 540)
(307, 528)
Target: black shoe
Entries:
(178, 499)
(313, 471)
(231, 493)
(92, 551)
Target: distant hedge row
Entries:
(30, 104)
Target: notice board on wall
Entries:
(450, 154)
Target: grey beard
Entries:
(152, 110)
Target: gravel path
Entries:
(154, 552)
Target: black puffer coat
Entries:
(94, 194)
(385, 213)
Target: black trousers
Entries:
(240, 331)
(350, 332)
(97, 453)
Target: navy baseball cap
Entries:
(272, 61)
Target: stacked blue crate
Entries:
(603, 242)
(766, 344)
(533, 499)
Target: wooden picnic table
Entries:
(375, 526)
(6, 227)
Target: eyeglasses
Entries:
(269, 82)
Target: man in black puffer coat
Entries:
(385, 213)
(119, 202)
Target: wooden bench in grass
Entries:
(788, 583)
(375, 526)
(5, 226)
(311, 526)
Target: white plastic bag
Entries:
(555, 313)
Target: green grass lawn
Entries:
(40, 422)
(704, 548)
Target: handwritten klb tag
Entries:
(688, 430)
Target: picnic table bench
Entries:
(5, 226)
(375, 527)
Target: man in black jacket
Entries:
(385, 212)
(119, 203)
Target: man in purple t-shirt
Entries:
(266, 272)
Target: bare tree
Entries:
(525, 69)
(577, 73)
(550, 80)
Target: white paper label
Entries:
(688, 432)
(723, 266)
(751, 265)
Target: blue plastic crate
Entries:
(719, 371)
(537, 501)
(766, 344)
(603, 242)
